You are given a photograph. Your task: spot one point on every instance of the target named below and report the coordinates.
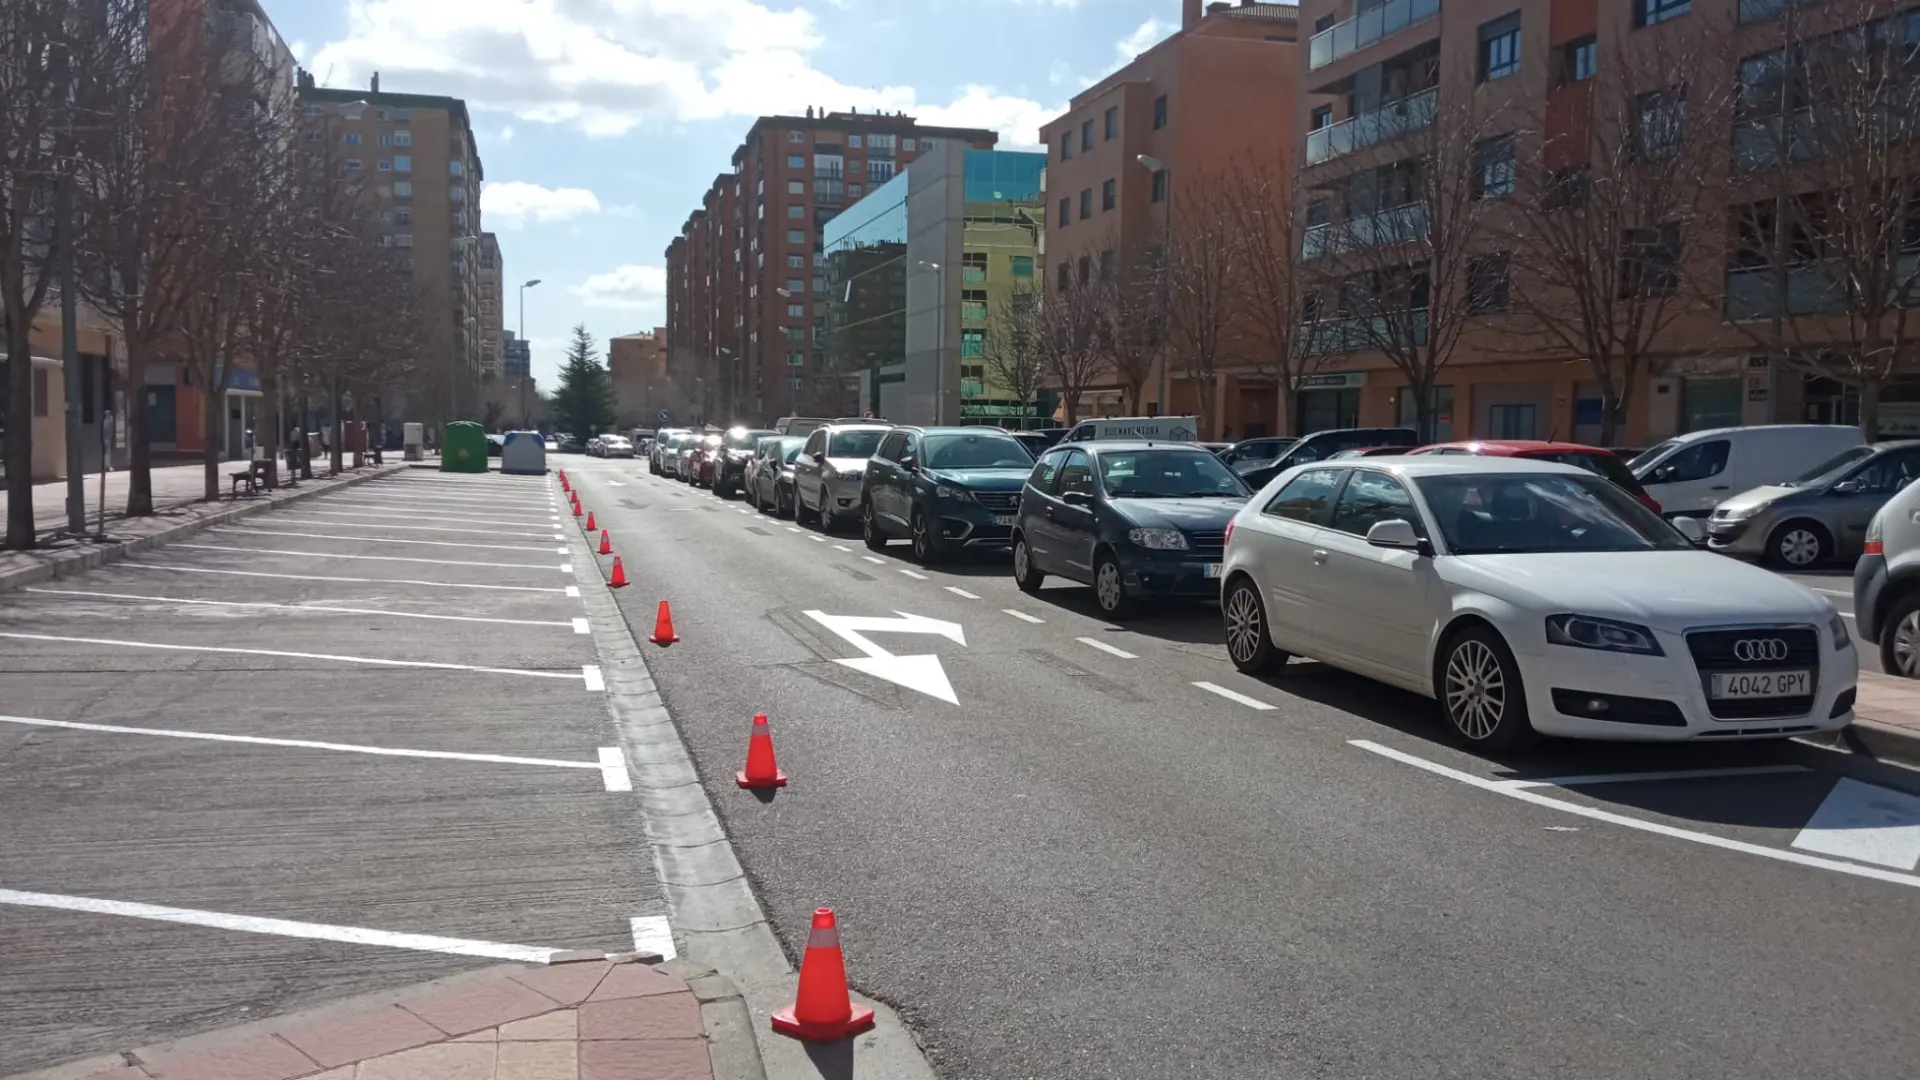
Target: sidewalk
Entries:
(1887, 715)
(592, 1018)
(173, 485)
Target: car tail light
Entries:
(1875, 547)
(1229, 538)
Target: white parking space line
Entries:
(1593, 813)
(914, 574)
(329, 608)
(1106, 648)
(875, 560)
(247, 924)
(653, 934)
(571, 590)
(307, 744)
(1250, 702)
(1023, 616)
(378, 661)
(1835, 592)
(613, 769)
(257, 531)
(1671, 774)
(817, 539)
(1865, 822)
(580, 626)
(843, 547)
(962, 593)
(410, 498)
(353, 510)
(563, 568)
(590, 674)
(504, 535)
(791, 528)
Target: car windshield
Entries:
(858, 443)
(1650, 455)
(790, 449)
(1167, 474)
(1510, 514)
(976, 452)
(1831, 469)
(746, 440)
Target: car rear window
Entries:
(1607, 465)
(854, 444)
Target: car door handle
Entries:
(1319, 557)
(1722, 487)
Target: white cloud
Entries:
(626, 288)
(608, 66)
(513, 203)
(1017, 120)
(1149, 34)
(299, 50)
(506, 134)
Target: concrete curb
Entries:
(66, 563)
(1880, 742)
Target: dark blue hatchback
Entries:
(1135, 520)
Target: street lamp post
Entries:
(1159, 168)
(525, 417)
(940, 341)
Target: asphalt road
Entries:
(311, 747)
(1092, 866)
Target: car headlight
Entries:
(1837, 626)
(1607, 635)
(1740, 513)
(956, 494)
(1159, 539)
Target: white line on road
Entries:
(914, 574)
(247, 924)
(843, 547)
(962, 593)
(590, 674)
(791, 528)
(1506, 787)
(875, 560)
(613, 769)
(254, 529)
(566, 568)
(561, 550)
(1106, 648)
(291, 518)
(1671, 774)
(374, 558)
(303, 607)
(580, 627)
(817, 539)
(403, 515)
(1249, 702)
(613, 483)
(410, 498)
(1865, 822)
(652, 934)
(571, 590)
(378, 661)
(1023, 616)
(306, 744)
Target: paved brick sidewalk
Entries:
(597, 1018)
(1888, 715)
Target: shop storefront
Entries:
(1324, 402)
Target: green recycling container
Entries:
(464, 449)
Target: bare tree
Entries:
(1136, 319)
(1396, 267)
(1830, 256)
(1602, 240)
(1257, 200)
(1073, 338)
(1016, 359)
(1203, 265)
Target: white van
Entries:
(1691, 474)
(1156, 428)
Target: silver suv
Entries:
(828, 472)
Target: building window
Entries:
(1651, 12)
(454, 168)
(352, 138)
(384, 165)
(1500, 47)
(1510, 421)
(1066, 276)
(796, 210)
(1651, 266)
(1578, 58)
(1022, 267)
(1160, 185)
(1487, 284)
(403, 163)
(1493, 168)
(973, 343)
(1086, 134)
(796, 136)
(1320, 117)
(404, 137)
(352, 163)
(1086, 203)
(907, 144)
(1159, 112)
(403, 239)
(1662, 118)
(384, 139)
(797, 311)
(403, 189)
(1109, 194)
(795, 285)
(796, 359)
(1066, 145)
(1066, 212)
(1112, 122)
(854, 191)
(1567, 189)
(403, 216)
(1106, 264)
(796, 161)
(796, 187)
(796, 262)
(797, 333)
(1085, 267)
(853, 142)
(796, 236)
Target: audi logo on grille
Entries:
(1756, 650)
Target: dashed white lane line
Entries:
(875, 560)
(1249, 702)
(818, 539)
(1106, 648)
(843, 547)
(914, 574)
(590, 674)
(962, 593)
(353, 935)
(378, 661)
(328, 608)
(653, 934)
(791, 528)
(613, 769)
(1023, 616)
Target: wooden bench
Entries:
(252, 476)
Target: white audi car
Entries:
(1528, 598)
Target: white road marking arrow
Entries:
(921, 673)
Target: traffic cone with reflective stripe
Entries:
(590, 525)
(576, 504)
(762, 771)
(823, 1011)
(663, 634)
(606, 542)
(563, 481)
(619, 578)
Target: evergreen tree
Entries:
(582, 406)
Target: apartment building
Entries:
(424, 173)
(1380, 74)
(516, 358)
(638, 366)
(744, 304)
(492, 315)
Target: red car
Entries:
(1591, 458)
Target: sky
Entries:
(601, 123)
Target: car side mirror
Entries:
(909, 462)
(1691, 529)
(1077, 498)
(1846, 487)
(1394, 533)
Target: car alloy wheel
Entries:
(922, 538)
(1248, 645)
(870, 529)
(1024, 575)
(1476, 690)
(1900, 649)
(1109, 590)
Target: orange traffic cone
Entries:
(762, 771)
(606, 542)
(576, 505)
(563, 481)
(823, 1012)
(591, 526)
(663, 634)
(619, 578)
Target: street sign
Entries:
(919, 673)
(665, 416)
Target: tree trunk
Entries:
(1284, 422)
(213, 417)
(339, 431)
(19, 442)
(1073, 405)
(1613, 414)
(266, 427)
(1422, 409)
(139, 452)
(1870, 408)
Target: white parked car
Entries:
(1527, 597)
(615, 446)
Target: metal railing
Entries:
(1333, 337)
(1366, 28)
(1392, 120)
(1813, 288)
(1396, 225)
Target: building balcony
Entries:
(1334, 337)
(1367, 27)
(1758, 141)
(1397, 225)
(1404, 117)
(1812, 289)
